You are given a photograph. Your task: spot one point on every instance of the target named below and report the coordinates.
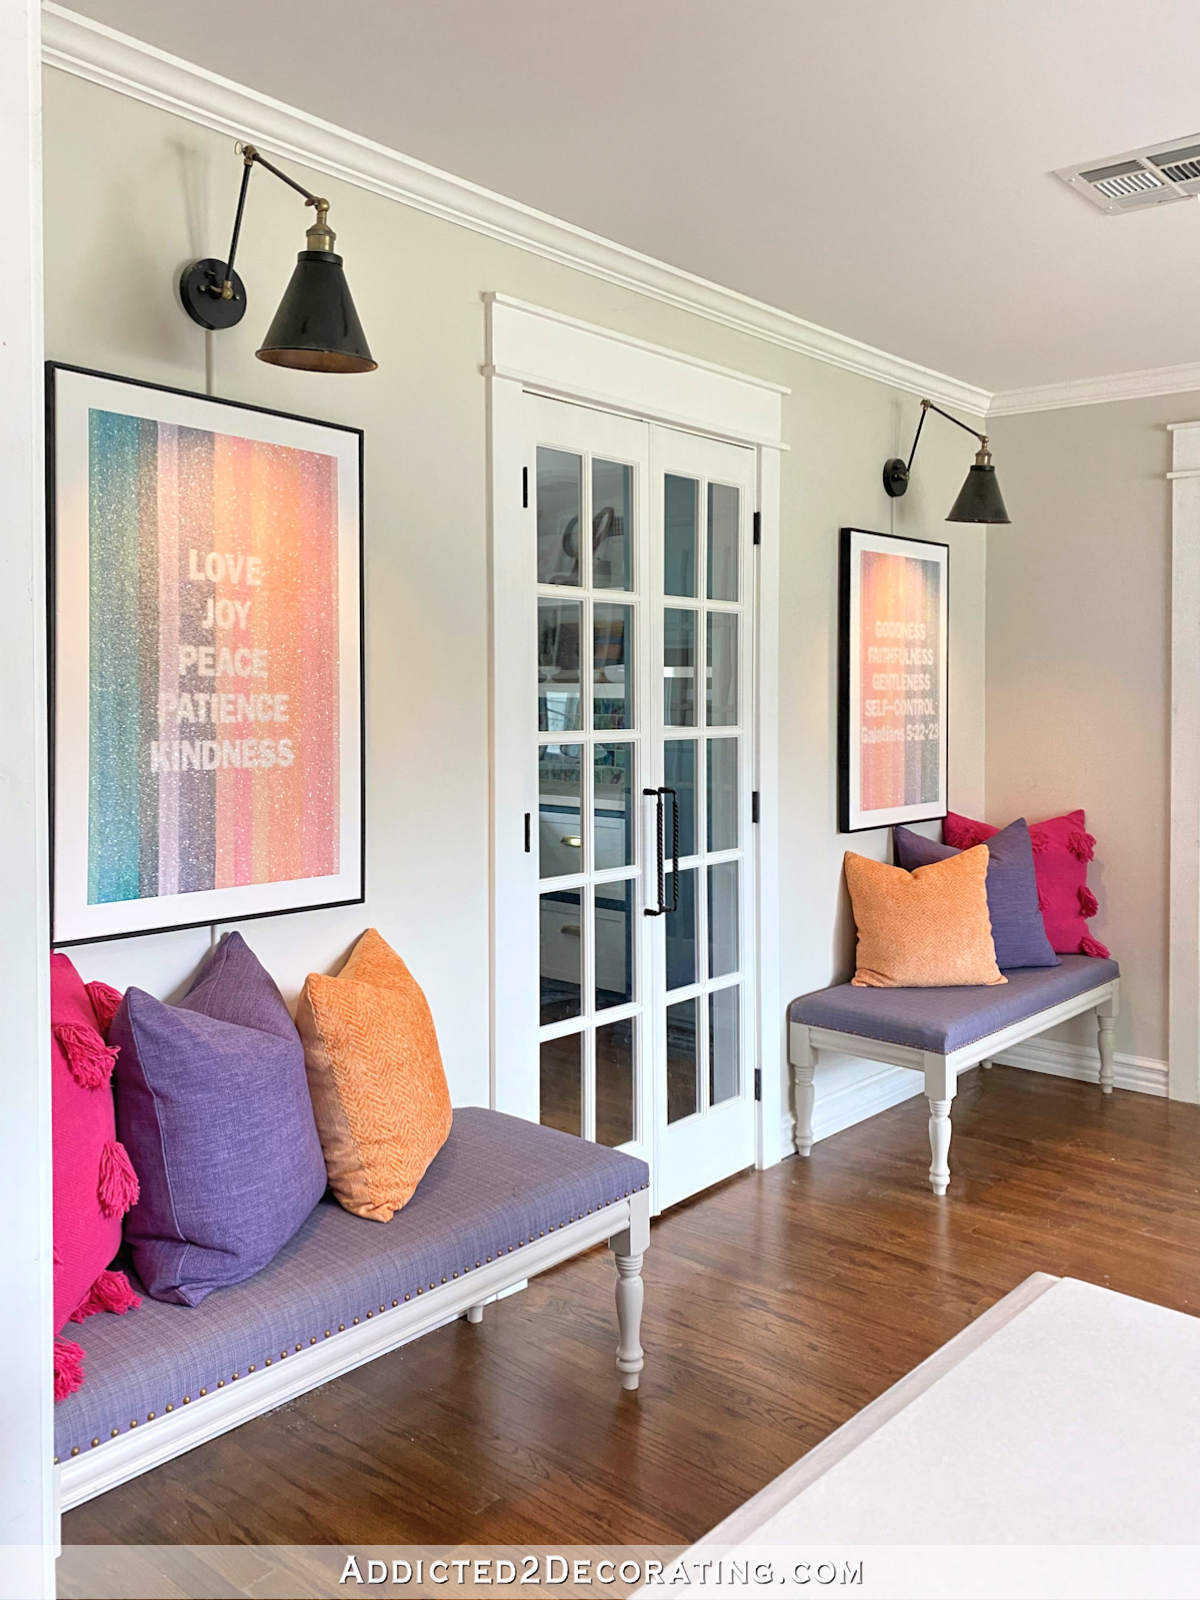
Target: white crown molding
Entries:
(89, 50)
(1144, 385)
(86, 49)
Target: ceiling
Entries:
(877, 168)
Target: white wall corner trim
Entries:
(28, 1527)
(1063, 1060)
(87, 49)
(1142, 385)
(1183, 983)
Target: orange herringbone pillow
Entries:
(925, 929)
(376, 1079)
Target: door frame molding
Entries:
(1183, 985)
(529, 349)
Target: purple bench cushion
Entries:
(945, 1020)
(495, 1184)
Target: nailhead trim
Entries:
(501, 1251)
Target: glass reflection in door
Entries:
(588, 730)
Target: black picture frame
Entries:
(55, 372)
(852, 818)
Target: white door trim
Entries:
(529, 350)
(546, 352)
(27, 1522)
(1183, 1050)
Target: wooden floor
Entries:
(776, 1307)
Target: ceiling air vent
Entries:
(1153, 176)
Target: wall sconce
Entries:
(316, 327)
(979, 499)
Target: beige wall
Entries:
(132, 194)
(1078, 666)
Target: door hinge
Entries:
(528, 832)
(754, 806)
(525, 491)
(758, 1083)
(758, 527)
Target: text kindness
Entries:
(221, 684)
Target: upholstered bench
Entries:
(942, 1032)
(503, 1199)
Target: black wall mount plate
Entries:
(200, 291)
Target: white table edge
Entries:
(743, 1523)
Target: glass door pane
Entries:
(590, 483)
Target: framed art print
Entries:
(892, 680)
(205, 659)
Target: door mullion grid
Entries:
(587, 686)
(689, 991)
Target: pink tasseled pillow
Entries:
(1062, 848)
(94, 1184)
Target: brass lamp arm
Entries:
(928, 405)
(251, 157)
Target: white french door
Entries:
(625, 901)
(703, 946)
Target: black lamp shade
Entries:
(316, 327)
(979, 499)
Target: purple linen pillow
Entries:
(213, 1108)
(1018, 930)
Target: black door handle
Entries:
(660, 909)
(674, 906)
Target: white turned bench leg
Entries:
(939, 1145)
(940, 1083)
(986, 1064)
(804, 1064)
(630, 1292)
(1107, 1042)
(475, 1313)
(1106, 1020)
(628, 1249)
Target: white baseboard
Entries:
(890, 1086)
(854, 1102)
(1062, 1060)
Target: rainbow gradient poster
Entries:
(205, 660)
(892, 701)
